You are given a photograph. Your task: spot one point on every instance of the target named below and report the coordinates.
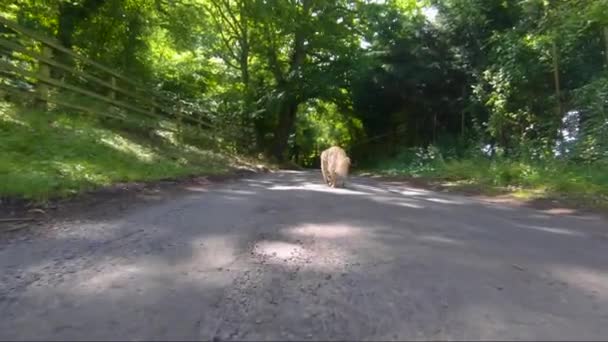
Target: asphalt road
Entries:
(282, 257)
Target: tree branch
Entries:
(225, 40)
(273, 60)
(226, 19)
(236, 21)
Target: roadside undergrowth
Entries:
(577, 184)
(58, 154)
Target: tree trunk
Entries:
(45, 72)
(462, 114)
(556, 81)
(248, 105)
(66, 23)
(462, 125)
(558, 96)
(606, 43)
(69, 17)
(287, 118)
(260, 136)
(65, 29)
(414, 139)
(129, 58)
(287, 115)
(244, 53)
(434, 127)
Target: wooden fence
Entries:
(92, 81)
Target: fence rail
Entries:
(136, 99)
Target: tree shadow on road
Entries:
(283, 256)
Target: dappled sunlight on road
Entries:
(284, 253)
(278, 249)
(560, 211)
(317, 187)
(107, 279)
(328, 231)
(238, 192)
(443, 200)
(411, 192)
(440, 239)
(291, 256)
(392, 200)
(368, 188)
(257, 182)
(553, 230)
(189, 265)
(197, 188)
(233, 198)
(593, 282)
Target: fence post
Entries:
(199, 125)
(44, 71)
(153, 112)
(180, 128)
(112, 91)
(606, 45)
(153, 109)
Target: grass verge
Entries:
(48, 155)
(581, 185)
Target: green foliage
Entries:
(554, 178)
(321, 125)
(415, 162)
(57, 154)
(381, 78)
(593, 99)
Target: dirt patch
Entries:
(20, 214)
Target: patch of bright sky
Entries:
(364, 44)
(430, 12)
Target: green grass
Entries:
(47, 155)
(585, 184)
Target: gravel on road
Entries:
(283, 257)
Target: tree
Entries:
(304, 43)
